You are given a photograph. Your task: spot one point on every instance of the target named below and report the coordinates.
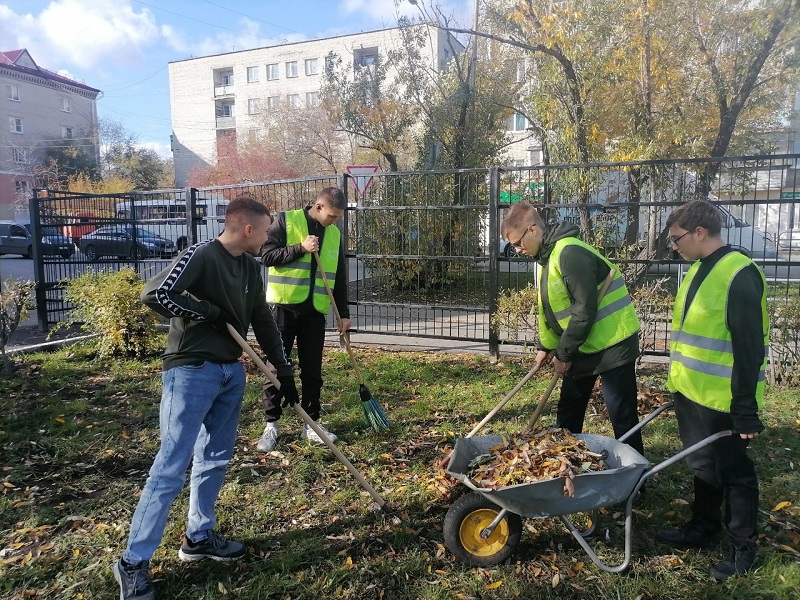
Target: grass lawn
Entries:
(77, 437)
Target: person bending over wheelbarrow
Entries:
(585, 339)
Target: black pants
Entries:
(619, 394)
(724, 475)
(309, 332)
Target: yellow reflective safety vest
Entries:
(291, 283)
(616, 318)
(701, 351)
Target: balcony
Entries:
(226, 122)
(221, 91)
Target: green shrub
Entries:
(16, 299)
(784, 342)
(107, 304)
(517, 315)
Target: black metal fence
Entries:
(425, 255)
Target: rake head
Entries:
(373, 413)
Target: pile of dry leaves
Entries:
(535, 456)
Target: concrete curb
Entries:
(46, 346)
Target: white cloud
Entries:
(81, 33)
(162, 149)
(385, 12)
(248, 36)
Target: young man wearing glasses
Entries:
(584, 339)
(718, 353)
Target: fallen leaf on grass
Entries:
(556, 579)
(781, 505)
(493, 586)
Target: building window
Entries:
(15, 124)
(227, 79)
(252, 75)
(225, 110)
(21, 187)
(272, 72)
(516, 122)
(12, 93)
(272, 102)
(312, 66)
(365, 57)
(291, 68)
(253, 106)
(520, 71)
(19, 155)
(67, 133)
(293, 100)
(65, 105)
(312, 99)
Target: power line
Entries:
(125, 87)
(255, 19)
(202, 22)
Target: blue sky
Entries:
(122, 47)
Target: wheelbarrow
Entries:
(483, 528)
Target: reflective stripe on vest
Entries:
(291, 283)
(616, 318)
(701, 349)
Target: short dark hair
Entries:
(698, 213)
(334, 197)
(520, 215)
(244, 208)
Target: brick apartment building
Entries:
(40, 109)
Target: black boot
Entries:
(739, 561)
(691, 535)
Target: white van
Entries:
(167, 217)
(610, 219)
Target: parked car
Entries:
(79, 224)
(16, 238)
(125, 241)
(506, 249)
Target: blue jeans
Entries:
(198, 417)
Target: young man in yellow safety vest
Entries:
(718, 353)
(298, 300)
(585, 340)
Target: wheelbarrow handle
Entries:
(309, 421)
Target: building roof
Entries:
(21, 61)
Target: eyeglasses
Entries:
(674, 240)
(518, 243)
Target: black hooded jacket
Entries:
(582, 272)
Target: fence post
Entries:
(38, 258)
(494, 265)
(341, 183)
(191, 216)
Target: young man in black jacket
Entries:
(210, 285)
(585, 341)
(299, 302)
(718, 356)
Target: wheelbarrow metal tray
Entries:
(546, 498)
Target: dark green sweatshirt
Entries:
(203, 289)
(582, 272)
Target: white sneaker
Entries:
(309, 434)
(269, 438)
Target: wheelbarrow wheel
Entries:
(463, 524)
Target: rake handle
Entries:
(309, 421)
(343, 335)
